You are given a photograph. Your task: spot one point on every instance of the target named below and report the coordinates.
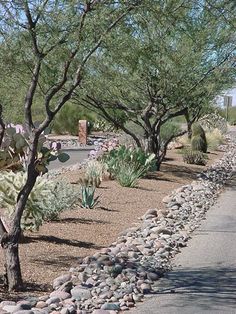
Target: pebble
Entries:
(117, 277)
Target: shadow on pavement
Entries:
(210, 288)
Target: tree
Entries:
(2, 126)
(167, 58)
(54, 40)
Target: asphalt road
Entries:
(204, 278)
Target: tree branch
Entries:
(30, 96)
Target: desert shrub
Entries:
(88, 187)
(129, 173)
(214, 139)
(102, 147)
(214, 120)
(127, 165)
(47, 199)
(94, 171)
(194, 157)
(67, 119)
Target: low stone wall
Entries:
(117, 277)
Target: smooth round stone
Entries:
(152, 276)
(4, 303)
(80, 293)
(60, 280)
(111, 306)
(24, 312)
(101, 312)
(145, 288)
(60, 294)
(64, 311)
(53, 300)
(43, 298)
(9, 308)
(41, 304)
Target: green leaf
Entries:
(63, 157)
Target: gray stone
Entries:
(60, 294)
(24, 312)
(4, 303)
(100, 312)
(53, 300)
(41, 304)
(61, 280)
(9, 308)
(111, 306)
(80, 293)
(145, 288)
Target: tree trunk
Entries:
(13, 270)
(2, 126)
(10, 238)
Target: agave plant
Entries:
(88, 188)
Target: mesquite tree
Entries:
(2, 126)
(55, 40)
(167, 57)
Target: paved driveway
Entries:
(204, 279)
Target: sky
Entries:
(230, 92)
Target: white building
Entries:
(229, 92)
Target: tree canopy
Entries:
(168, 60)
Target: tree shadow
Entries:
(182, 171)
(106, 209)
(157, 176)
(62, 261)
(80, 220)
(208, 287)
(231, 183)
(60, 241)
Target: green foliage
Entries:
(168, 130)
(215, 120)
(199, 144)
(214, 139)
(198, 140)
(194, 157)
(47, 199)
(68, 118)
(15, 148)
(127, 165)
(197, 130)
(95, 170)
(129, 173)
(88, 187)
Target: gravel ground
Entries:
(79, 233)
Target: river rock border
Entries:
(117, 277)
